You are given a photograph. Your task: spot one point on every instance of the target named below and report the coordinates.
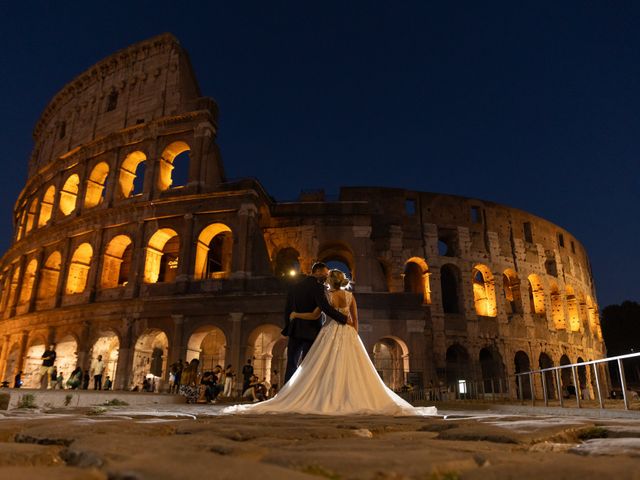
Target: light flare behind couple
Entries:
(329, 371)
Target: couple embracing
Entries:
(329, 371)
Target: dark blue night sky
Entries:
(536, 107)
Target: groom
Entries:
(304, 297)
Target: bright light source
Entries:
(462, 386)
(292, 273)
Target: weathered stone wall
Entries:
(110, 250)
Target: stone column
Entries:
(4, 355)
(82, 190)
(64, 272)
(363, 258)
(23, 350)
(125, 356)
(186, 262)
(234, 353)
(96, 265)
(178, 348)
(242, 251)
(84, 359)
(111, 183)
(137, 262)
(36, 281)
(16, 296)
(149, 189)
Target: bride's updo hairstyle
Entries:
(337, 279)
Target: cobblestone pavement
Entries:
(184, 442)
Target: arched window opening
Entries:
(592, 313)
(112, 100)
(447, 239)
(213, 252)
(49, 276)
(263, 342)
(180, 172)
(536, 294)
(337, 256)
(28, 281)
(511, 291)
(95, 185)
(6, 289)
(544, 361)
(416, 278)
(557, 308)
(582, 380)
(287, 263)
(208, 344)
(106, 346)
(131, 177)
(66, 356)
(150, 357)
(522, 365)
(458, 369)
(13, 358)
(449, 282)
(493, 371)
(167, 164)
(21, 224)
(46, 207)
(391, 359)
(117, 262)
(161, 262)
(566, 378)
(79, 269)
(484, 293)
(31, 215)
(32, 377)
(13, 288)
(572, 309)
(69, 194)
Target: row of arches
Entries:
(569, 310)
(172, 172)
(208, 343)
(492, 373)
(161, 256)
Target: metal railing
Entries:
(556, 373)
(522, 386)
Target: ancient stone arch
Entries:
(213, 252)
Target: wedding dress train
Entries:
(336, 377)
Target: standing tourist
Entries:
(247, 373)
(228, 381)
(48, 359)
(97, 369)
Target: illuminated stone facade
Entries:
(130, 244)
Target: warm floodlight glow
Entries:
(292, 273)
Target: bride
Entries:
(337, 376)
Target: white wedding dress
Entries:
(335, 378)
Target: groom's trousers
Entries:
(297, 349)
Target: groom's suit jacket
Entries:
(304, 297)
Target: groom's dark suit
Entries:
(304, 297)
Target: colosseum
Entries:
(130, 243)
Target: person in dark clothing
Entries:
(48, 359)
(247, 373)
(304, 297)
(85, 380)
(17, 381)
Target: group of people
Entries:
(207, 386)
(52, 378)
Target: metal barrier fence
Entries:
(522, 386)
(556, 372)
